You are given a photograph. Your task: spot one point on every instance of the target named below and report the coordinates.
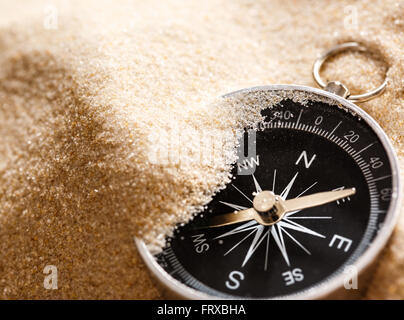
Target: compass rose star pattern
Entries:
(278, 232)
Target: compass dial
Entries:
(300, 150)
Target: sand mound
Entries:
(90, 102)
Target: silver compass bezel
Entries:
(326, 287)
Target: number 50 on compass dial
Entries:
(321, 200)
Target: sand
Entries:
(85, 88)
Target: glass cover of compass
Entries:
(301, 152)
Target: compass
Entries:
(311, 207)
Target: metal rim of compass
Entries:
(326, 287)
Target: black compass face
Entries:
(300, 150)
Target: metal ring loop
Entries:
(335, 50)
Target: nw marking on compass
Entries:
(261, 234)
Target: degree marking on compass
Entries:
(241, 193)
(336, 127)
(298, 118)
(380, 178)
(364, 148)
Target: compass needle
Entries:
(262, 199)
(317, 199)
(231, 218)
